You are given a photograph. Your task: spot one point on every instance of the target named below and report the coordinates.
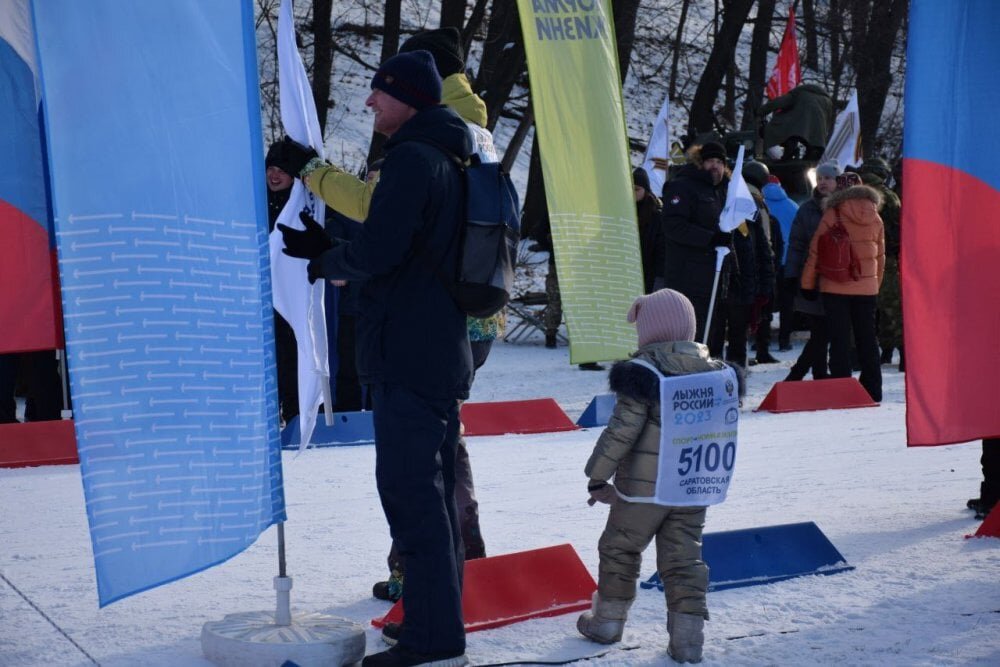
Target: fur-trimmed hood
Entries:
(672, 358)
(853, 192)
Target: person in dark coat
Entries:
(814, 356)
(649, 212)
(751, 285)
(802, 118)
(989, 489)
(280, 163)
(417, 381)
(756, 175)
(692, 202)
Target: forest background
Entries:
(712, 58)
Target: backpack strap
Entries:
(420, 241)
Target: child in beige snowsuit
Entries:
(628, 450)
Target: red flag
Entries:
(787, 72)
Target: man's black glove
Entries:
(293, 156)
(810, 294)
(308, 243)
(722, 239)
(314, 270)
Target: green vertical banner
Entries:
(576, 95)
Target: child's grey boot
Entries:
(687, 635)
(605, 621)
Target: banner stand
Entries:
(272, 638)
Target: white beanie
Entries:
(664, 315)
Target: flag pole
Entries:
(282, 584)
(720, 255)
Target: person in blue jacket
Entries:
(782, 209)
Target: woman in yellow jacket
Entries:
(852, 304)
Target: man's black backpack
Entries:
(482, 281)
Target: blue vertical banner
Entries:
(153, 132)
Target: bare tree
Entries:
(812, 45)
(390, 45)
(453, 13)
(702, 116)
(675, 56)
(874, 27)
(624, 14)
(322, 59)
(757, 75)
(503, 61)
(475, 22)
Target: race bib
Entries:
(699, 414)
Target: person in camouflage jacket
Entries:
(875, 172)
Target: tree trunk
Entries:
(876, 27)
(757, 76)
(809, 21)
(702, 116)
(836, 29)
(729, 98)
(322, 59)
(514, 146)
(675, 56)
(390, 45)
(624, 13)
(501, 67)
(472, 27)
(535, 218)
(453, 13)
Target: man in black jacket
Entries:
(416, 380)
(692, 202)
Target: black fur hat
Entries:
(640, 178)
(445, 44)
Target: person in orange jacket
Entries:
(852, 304)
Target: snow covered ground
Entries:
(920, 593)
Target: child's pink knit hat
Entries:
(662, 316)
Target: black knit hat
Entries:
(445, 44)
(876, 166)
(756, 173)
(640, 178)
(711, 150)
(411, 78)
(278, 155)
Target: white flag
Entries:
(300, 303)
(740, 205)
(659, 146)
(845, 142)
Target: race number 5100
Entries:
(707, 457)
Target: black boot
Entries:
(886, 357)
(765, 358)
(400, 657)
(550, 341)
(591, 366)
(390, 590)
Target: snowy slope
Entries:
(921, 594)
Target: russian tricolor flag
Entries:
(951, 221)
(28, 319)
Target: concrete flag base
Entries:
(253, 639)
